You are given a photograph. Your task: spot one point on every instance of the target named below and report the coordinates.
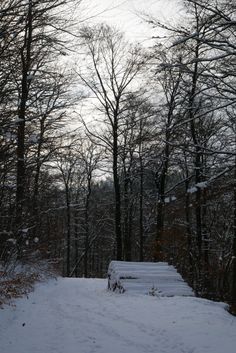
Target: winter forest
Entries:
(111, 149)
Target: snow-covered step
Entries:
(155, 278)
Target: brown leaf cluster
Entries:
(16, 287)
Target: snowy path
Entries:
(80, 316)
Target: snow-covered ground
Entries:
(81, 316)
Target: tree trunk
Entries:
(141, 211)
(161, 204)
(127, 218)
(233, 289)
(118, 233)
(20, 166)
(86, 243)
(20, 151)
(188, 230)
(68, 244)
(197, 161)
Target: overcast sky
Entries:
(124, 14)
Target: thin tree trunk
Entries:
(76, 240)
(197, 161)
(86, 244)
(141, 211)
(233, 289)
(118, 233)
(127, 218)
(161, 204)
(188, 229)
(68, 244)
(20, 166)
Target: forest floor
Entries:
(81, 316)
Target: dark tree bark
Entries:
(25, 55)
(86, 221)
(233, 288)
(116, 179)
(141, 190)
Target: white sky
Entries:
(124, 14)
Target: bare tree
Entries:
(113, 66)
(31, 44)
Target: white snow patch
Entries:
(30, 77)
(169, 199)
(192, 190)
(81, 316)
(12, 240)
(202, 185)
(33, 138)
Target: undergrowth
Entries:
(18, 286)
(20, 281)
